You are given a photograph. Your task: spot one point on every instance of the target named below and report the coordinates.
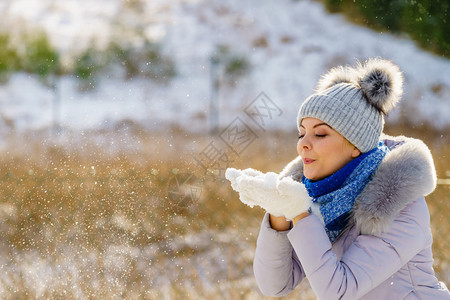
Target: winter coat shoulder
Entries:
(383, 253)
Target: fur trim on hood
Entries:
(406, 173)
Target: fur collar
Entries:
(406, 173)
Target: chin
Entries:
(309, 176)
(315, 177)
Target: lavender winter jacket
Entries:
(383, 253)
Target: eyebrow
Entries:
(317, 125)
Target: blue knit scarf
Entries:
(336, 193)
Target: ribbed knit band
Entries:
(345, 109)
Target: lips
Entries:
(308, 161)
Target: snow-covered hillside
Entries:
(288, 44)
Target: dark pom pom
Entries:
(381, 83)
(335, 76)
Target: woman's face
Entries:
(323, 150)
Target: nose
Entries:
(303, 144)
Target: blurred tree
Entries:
(39, 57)
(9, 59)
(147, 61)
(426, 21)
(234, 65)
(87, 64)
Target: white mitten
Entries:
(294, 197)
(284, 197)
(255, 188)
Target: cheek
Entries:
(332, 155)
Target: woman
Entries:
(349, 213)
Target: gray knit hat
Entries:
(353, 100)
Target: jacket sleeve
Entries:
(276, 266)
(369, 260)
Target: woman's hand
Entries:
(279, 223)
(279, 197)
(299, 217)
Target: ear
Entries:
(355, 152)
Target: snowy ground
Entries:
(154, 269)
(289, 45)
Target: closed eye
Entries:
(317, 135)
